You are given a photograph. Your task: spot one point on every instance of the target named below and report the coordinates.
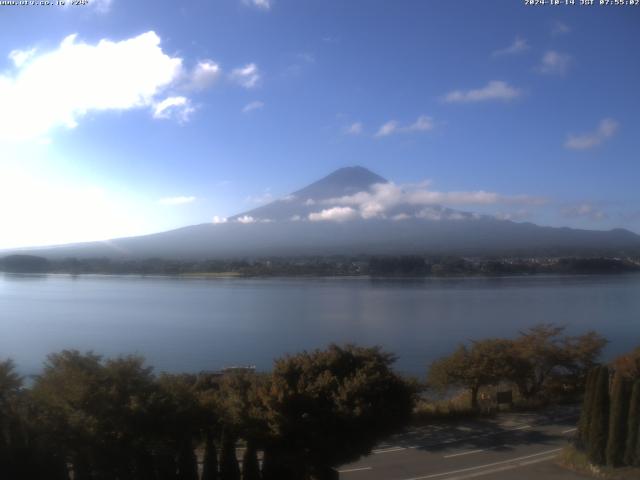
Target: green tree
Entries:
(210, 462)
(587, 408)
(618, 419)
(598, 428)
(99, 412)
(68, 393)
(331, 406)
(10, 386)
(187, 462)
(184, 420)
(229, 469)
(632, 447)
(250, 465)
(242, 416)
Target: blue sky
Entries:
(121, 118)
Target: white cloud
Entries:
(335, 214)
(263, 4)
(101, 6)
(246, 219)
(494, 90)
(20, 57)
(80, 79)
(181, 200)
(205, 73)
(355, 128)
(218, 220)
(584, 210)
(606, 129)
(519, 45)
(554, 63)
(517, 216)
(174, 107)
(387, 128)
(422, 124)
(559, 28)
(250, 107)
(385, 197)
(247, 76)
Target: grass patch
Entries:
(457, 407)
(573, 459)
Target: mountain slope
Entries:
(286, 227)
(342, 182)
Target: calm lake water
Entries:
(197, 324)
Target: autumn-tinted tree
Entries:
(581, 354)
(629, 364)
(632, 447)
(598, 429)
(485, 362)
(328, 407)
(543, 352)
(618, 418)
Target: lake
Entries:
(185, 324)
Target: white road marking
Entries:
(387, 450)
(446, 442)
(503, 462)
(349, 470)
(502, 468)
(468, 452)
(488, 434)
(569, 430)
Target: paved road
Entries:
(520, 446)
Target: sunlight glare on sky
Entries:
(125, 118)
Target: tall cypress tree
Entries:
(250, 465)
(273, 467)
(229, 469)
(210, 464)
(187, 462)
(618, 418)
(632, 448)
(587, 407)
(599, 425)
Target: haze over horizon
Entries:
(123, 119)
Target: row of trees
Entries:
(541, 360)
(609, 428)
(95, 418)
(403, 265)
